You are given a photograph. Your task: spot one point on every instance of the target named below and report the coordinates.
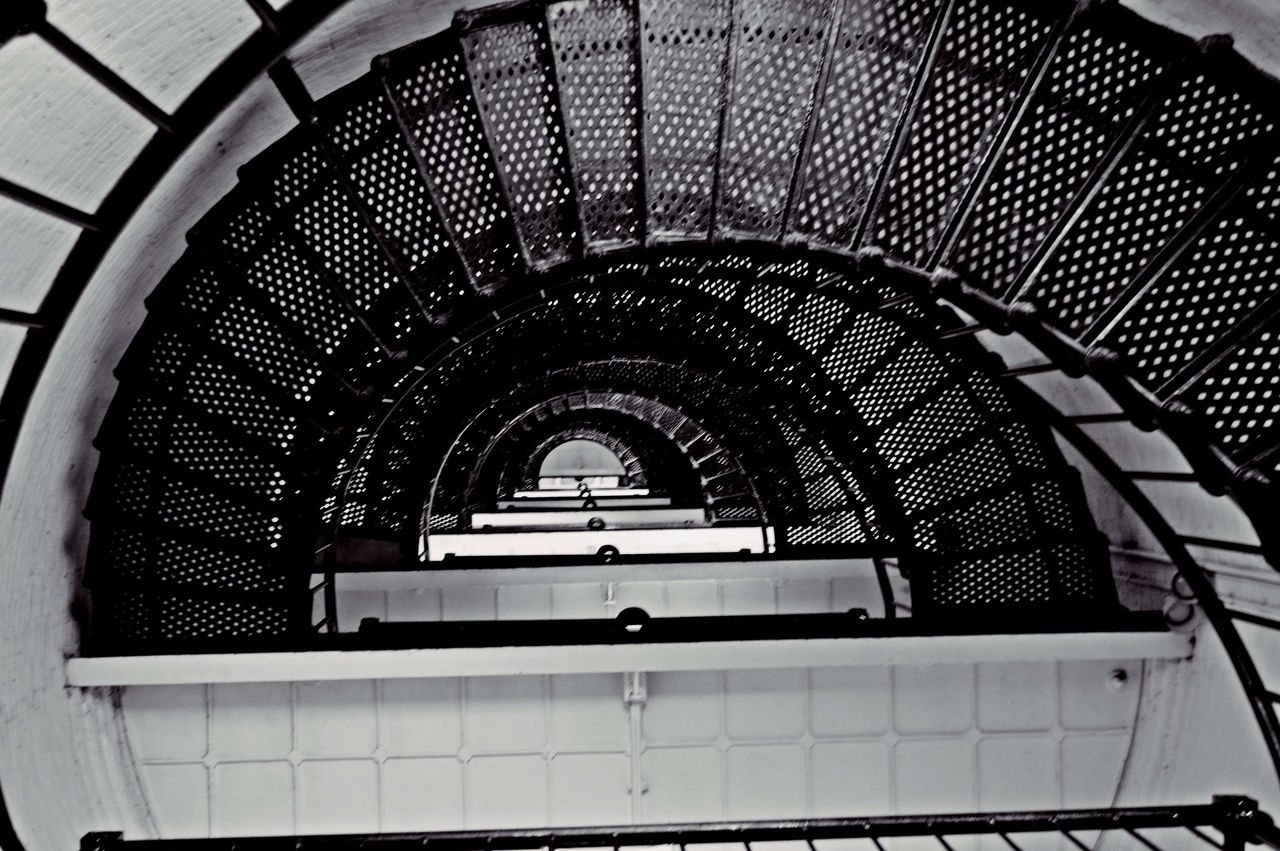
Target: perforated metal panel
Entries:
(1265, 193)
(366, 144)
(215, 387)
(1193, 141)
(597, 64)
(987, 52)
(432, 96)
(929, 427)
(509, 68)
(896, 384)
(777, 53)
(1093, 85)
(683, 51)
(1241, 393)
(332, 234)
(876, 56)
(969, 469)
(281, 345)
(1228, 271)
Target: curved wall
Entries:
(63, 761)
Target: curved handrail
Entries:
(263, 48)
(266, 46)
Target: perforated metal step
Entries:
(396, 294)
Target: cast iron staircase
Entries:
(1106, 187)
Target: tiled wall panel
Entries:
(407, 755)
(685, 598)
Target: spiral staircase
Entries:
(742, 212)
(768, 252)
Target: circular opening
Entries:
(582, 463)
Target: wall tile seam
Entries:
(588, 750)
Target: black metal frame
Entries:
(567, 277)
(578, 402)
(1160, 407)
(1237, 819)
(264, 48)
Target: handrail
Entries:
(1237, 818)
(177, 131)
(205, 103)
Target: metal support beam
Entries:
(109, 79)
(45, 204)
(896, 642)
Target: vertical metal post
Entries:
(1008, 129)
(800, 168)
(642, 129)
(904, 121)
(727, 74)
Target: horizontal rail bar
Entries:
(731, 654)
(1162, 476)
(109, 79)
(1032, 369)
(1256, 620)
(720, 832)
(441, 546)
(43, 203)
(1090, 419)
(17, 317)
(1218, 544)
(414, 578)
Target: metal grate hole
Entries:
(215, 388)
(336, 234)
(183, 617)
(1226, 273)
(1009, 580)
(892, 388)
(877, 51)
(865, 340)
(1241, 393)
(292, 285)
(928, 428)
(194, 446)
(130, 489)
(987, 52)
(183, 504)
(1094, 84)
(1207, 127)
(516, 96)
(1137, 211)
(972, 468)
(1194, 140)
(778, 50)
(1265, 193)
(1003, 521)
(683, 47)
(126, 550)
(817, 317)
(1056, 508)
(838, 528)
(440, 115)
(199, 565)
(145, 421)
(771, 303)
(257, 343)
(368, 146)
(597, 59)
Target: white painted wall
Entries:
(846, 586)
(60, 764)
(532, 751)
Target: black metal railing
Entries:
(1226, 824)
